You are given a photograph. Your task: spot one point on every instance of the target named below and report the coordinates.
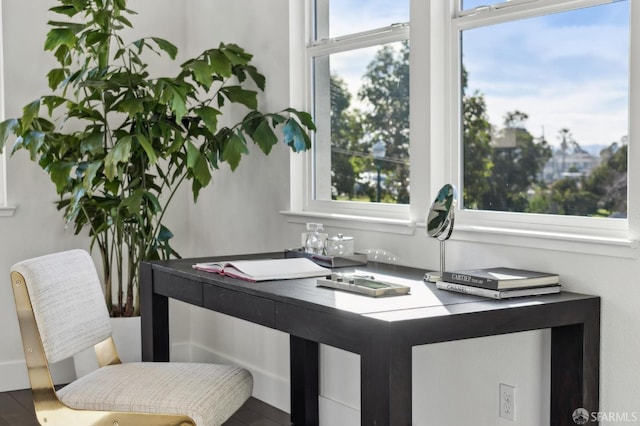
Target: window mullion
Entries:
(503, 12)
(380, 36)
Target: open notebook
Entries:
(265, 269)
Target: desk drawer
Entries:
(240, 305)
(178, 288)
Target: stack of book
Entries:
(500, 283)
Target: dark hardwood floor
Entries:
(16, 409)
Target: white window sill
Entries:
(365, 223)
(557, 241)
(515, 237)
(7, 211)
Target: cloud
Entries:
(565, 70)
(568, 70)
(352, 16)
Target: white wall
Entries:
(454, 383)
(37, 227)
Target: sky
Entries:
(352, 16)
(567, 70)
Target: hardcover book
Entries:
(501, 278)
(265, 269)
(498, 294)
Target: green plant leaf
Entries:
(63, 55)
(144, 142)
(7, 128)
(64, 10)
(178, 96)
(295, 136)
(92, 144)
(95, 37)
(209, 117)
(124, 20)
(33, 141)
(55, 77)
(45, 125)
(52, 102)
(258, 78)
(219, 63)
(29, 112)
(74, 206)
(212, 157)
(193, 154)
(168, 47)
(102, 17)
(277, 119)
(73, 26)
(236, 54)
(233, 150)
(90, 174)
(131, 106)
(305, 118)
(201, 73)
(133, 202)
(249, 98)
(176, 144)
(60, 174)
(201, 171)
(264, 136)
(120, 153)
(60, 36)
(153, 202)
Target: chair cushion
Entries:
(208, 393)
(67, 301)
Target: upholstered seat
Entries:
(61, 312)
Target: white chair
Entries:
(61, 311)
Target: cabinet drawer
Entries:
(178, 288)
(240, 305)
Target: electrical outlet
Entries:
(507, 402)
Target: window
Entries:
(524, 105)
(542, 105)
(359, 55)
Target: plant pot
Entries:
(127, 338)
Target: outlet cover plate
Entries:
(507, 402)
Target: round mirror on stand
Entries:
(440, 224)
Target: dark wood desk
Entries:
(381, 330)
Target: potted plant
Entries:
(118, 142)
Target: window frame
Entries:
(432, 37)
(325, 46)
(478, 220)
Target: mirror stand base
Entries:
(432, 277)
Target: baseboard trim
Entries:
(14, 376)
(336, 413)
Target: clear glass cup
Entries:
(340, 245)
(316, 239)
